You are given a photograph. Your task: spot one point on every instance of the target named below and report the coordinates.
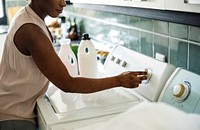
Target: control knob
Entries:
(149, 75)
(181, 91)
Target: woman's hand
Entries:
(132, 79)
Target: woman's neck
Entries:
(37, 10)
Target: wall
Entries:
(178, 42)
(12, 6)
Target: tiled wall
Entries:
(179, 43)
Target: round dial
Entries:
(181, 91)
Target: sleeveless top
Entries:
(21, 82)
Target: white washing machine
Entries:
(62, 111)
(181, 91)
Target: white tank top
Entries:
(21, 82)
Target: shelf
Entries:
(187, 18)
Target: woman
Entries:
(29, 62)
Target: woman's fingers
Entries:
(131, 79)
(139, 72)
(142, 77)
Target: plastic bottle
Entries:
(87, 57)
(68, 57)
(63, 27)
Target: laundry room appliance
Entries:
(57, 110)
(182, 90)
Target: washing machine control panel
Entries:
(182, 90)
(122, 59)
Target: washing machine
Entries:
(178, 107)
(65, 111)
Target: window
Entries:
(3, 18)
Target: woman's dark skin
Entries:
(38, 45)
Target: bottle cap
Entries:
(85, 36)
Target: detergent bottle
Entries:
(68, 57)
(87, 57)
